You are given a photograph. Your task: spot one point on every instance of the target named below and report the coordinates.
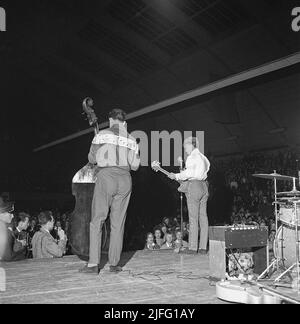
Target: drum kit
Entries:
(286, 243)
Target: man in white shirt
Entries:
(197, 167)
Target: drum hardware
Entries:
(275, 176)
(289, 205)
(293, 193)
(286, 199)
(295, 264)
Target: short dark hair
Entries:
(117, 114)
(21, 217)
(45, 217)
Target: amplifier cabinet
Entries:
(224, 238)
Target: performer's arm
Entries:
(196, 170)
(92, 154)
(134, 160)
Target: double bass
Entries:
(83, 185)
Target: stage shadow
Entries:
(125, 258)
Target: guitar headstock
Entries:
(87, 106)
(155, 166)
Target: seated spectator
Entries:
(22, 223)
(150, 245)
(179, 242)
(169, 244)
(166, 222)
(10, 249)
(164, 231)
(158, 237)
(176, 221)
(185, 232)
(57, 227)
(43, 243)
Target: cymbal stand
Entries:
(294, 184)
(276, 211)
(297, 249)
(275, 261)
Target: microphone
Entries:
(180, 161)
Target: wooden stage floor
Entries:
(156, 277)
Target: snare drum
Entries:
(286, 215)
(284, 245)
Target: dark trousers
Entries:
(197, 196)
(112, 192)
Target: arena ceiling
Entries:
(135, 53)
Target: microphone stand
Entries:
(181, 211)
(297, 161)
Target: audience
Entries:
(158, 237)
(11, 249)
(43, 243)
(150, 245)
(164, 230)
(179, 243)
(169, 244)
(20, 231)
(21, 226)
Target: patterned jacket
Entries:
(114, 147)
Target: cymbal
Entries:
(272, 176)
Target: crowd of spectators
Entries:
(168, 235)
(24, 226)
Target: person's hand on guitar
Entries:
(172, 176)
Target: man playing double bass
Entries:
(115, 153)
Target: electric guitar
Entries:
(183, 184)
(247, 292)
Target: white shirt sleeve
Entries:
(197, 166)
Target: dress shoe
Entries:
(87, 269)
(188, 251)
(115, 268)
(202, 251)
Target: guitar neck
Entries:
(96, 128)
(163, 171)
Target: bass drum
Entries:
(284, 245)
(287, 217)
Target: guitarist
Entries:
(197, 167)
(115, 153)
